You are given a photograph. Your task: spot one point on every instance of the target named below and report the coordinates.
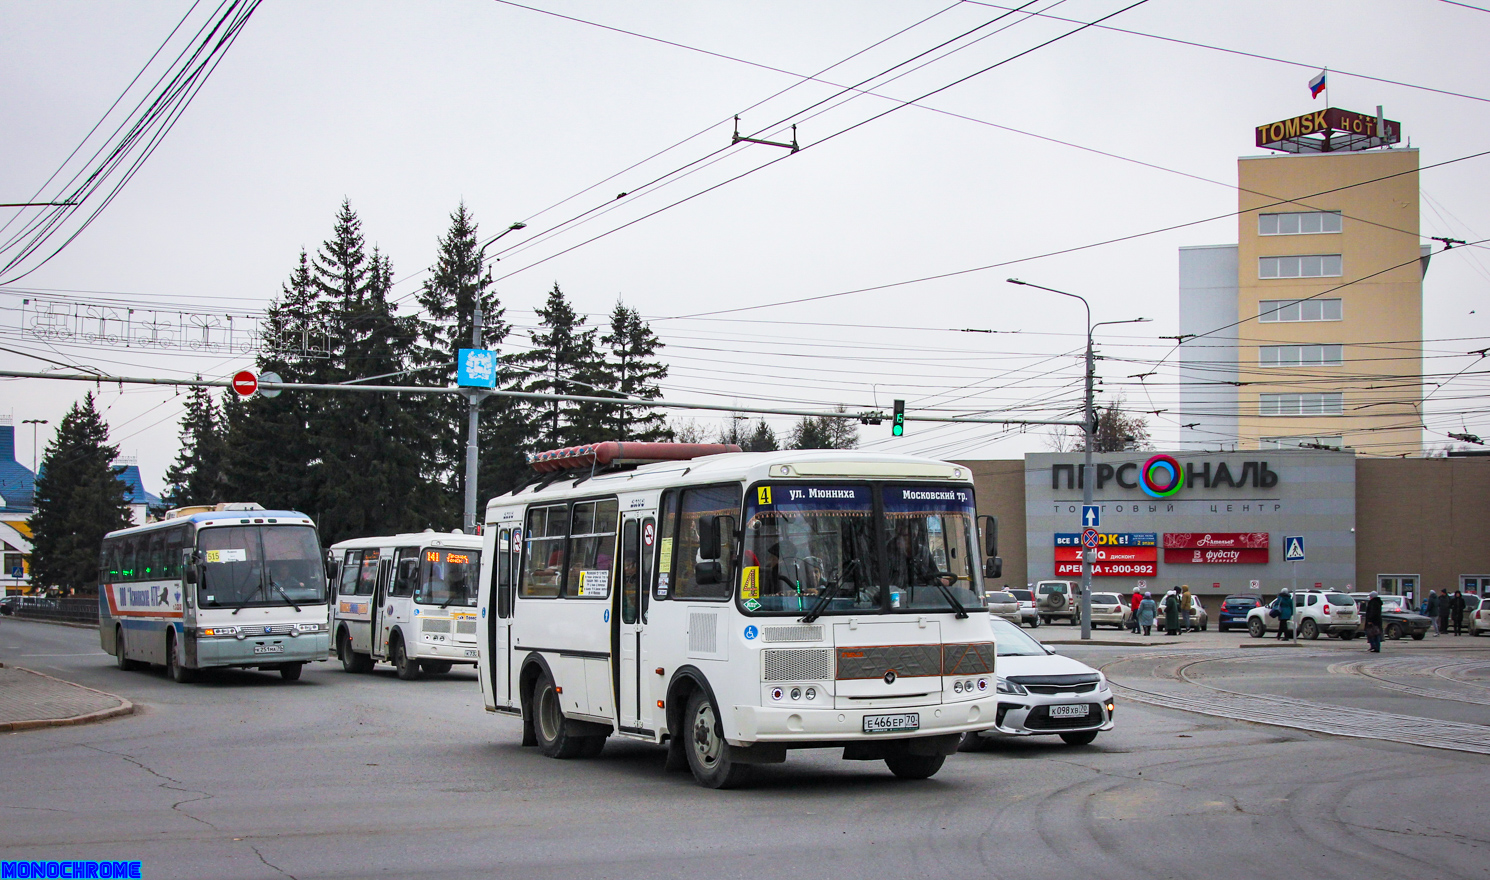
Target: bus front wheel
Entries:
(915, 766)
(290, 671)
(708, 753)
(178, 673)
(549, 723)
(407, 667)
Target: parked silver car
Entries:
(1004, 605)
(1042, 693)
(1029, 615)
(1109, 609)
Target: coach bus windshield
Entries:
(448, 577)
(260, 565)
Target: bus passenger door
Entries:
(382, 608)
(504, 557)
(638, 536)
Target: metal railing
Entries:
(82, 609)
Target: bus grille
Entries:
(797, 664)
(703, 633)
(436, 626)
(804, 633)
(465, 627)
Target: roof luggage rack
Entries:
(615, 453)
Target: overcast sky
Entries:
(406, 109)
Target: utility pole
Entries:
(474, 396)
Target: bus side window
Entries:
(350, 567)
(649, 527)
(665, 535)
(592, 549)
(631, 576)
(407, 576)
(543, 564)
(127, 547)
(367, 578)
(175, 540)
(111, 561)
(505, 563)
(723, 501)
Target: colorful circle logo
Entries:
(1161, 476)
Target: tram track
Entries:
(1295, 713)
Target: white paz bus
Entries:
(408, 600)
(231, 585)
(736, 605)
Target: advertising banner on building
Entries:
(1215, 557)
(1110, 554)
(1118, 539)
(1219, 548)
(1109, 569)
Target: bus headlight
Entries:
(308, 627)
(214, 631)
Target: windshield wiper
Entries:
(257, 590)
(282, 592)
(829, 592)
(951, 599)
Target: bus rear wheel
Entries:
(352, 661)
(549, 723)
(915, 766)
(121, 658)
(708, 753)
(408, 668)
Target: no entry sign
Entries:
(245, 383)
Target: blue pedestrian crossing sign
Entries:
(1091, 516)
(1293, 548)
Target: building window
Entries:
(1300, 355)
(1311, 266)
(1330, 403)
(1299, 223)
(1277, 311)
(1310, 442)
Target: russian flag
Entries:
(1317, 85)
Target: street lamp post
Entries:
(474, 396)
(1089, 428)
(33, 423)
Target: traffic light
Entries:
(897, 427)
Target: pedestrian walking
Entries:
(1373, 623)
(1146, 611)
(1136, 600)
(1185, 602)
(1172, 612)
(1430, 608)
(1445, 606)
(1456, 611)
(1284, 606)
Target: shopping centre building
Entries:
(1396, 525)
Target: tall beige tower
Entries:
(1328, 296)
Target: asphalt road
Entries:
(248, 776)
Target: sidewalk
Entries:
(30, 699)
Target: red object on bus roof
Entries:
(617, 452)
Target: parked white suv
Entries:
(1057, 600)
(1314, 612)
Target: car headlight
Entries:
(1005, 686)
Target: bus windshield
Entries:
(260, 565)
(802, 542)
(448, 577)
(820, 548)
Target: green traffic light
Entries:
(897, 428)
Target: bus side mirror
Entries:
(708, 538)
(993, 567)
(708, 572)
(189, 566)
(990, 528)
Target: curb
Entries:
(1264, 644)
(1103, 643)
(50, 623)
(125, 707)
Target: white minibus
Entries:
(737, 605)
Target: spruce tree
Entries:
(825, 432)
(457, 282)
(633, 371)
(564, 360)
(197, 477)
(762, 439)
(79, 499)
